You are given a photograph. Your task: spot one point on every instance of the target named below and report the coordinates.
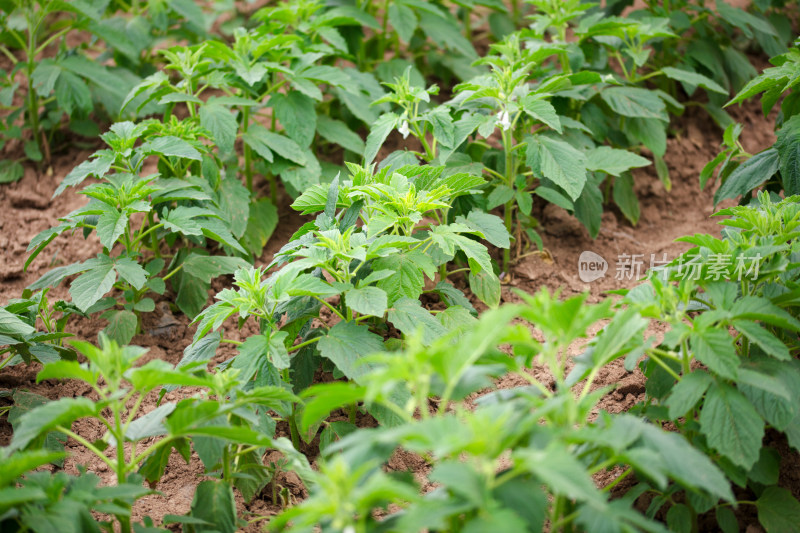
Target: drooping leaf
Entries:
(731, 425)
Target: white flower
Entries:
(503, 120)
(403, 129)
(351, 529)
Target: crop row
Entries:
(561, 111)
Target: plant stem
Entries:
(248, 163)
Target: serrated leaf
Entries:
(219, 120)
(613, 161)
(749, 175)
(486, 286)
(788, 146)
(171, 146)
(39, 421)
(261, 224)
(731, 425)
(337, 132)
(110, 226)
(693, 78)
(297, 115)
(625, 197)
(634, 102)
(132, 272)
(687, 393)
(346, 343)
(214, 503)
(559, 162)
(208, 267)
(121, 326)
(409, 317)
(778, 510)
(492, 227)
(714, 348)
(367, 301)
(541, 110)
(11, 324)
(378, 133)
(93, 284)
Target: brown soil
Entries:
(26, 209)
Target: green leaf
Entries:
(11, 324)
(778, 510)
(208, 267)
(652, 133)
(297, 115)
(121, 325)
(763, 339)
(216, 229)
(367, 301)
(98, 167)
(635, 102)
(321, 400)
(687, 393)
(62, 412)
(749, 175)
(409, 317)
(557, 468)
(625, 197)
(93, 284)
(132, 272)
(19, 463)
(219, 120)
(486, 286)
(492, 227)
(378, 133)
(403, 20)
(559, 162)
(346, 343)
(73, 94)
(337, 132)
(693, 78)
(10, 171)
(260, 225)
(150, 425)
(788, 145)
(170, 146)
(280, 144)
(731, 425)
(234, 205)
(714, 348)
(111, 225)
(410, 269)
(541, 110)
(680, 519)
(214, 502)
(726, 520)
(613, 161)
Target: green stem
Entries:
(248, 163)
(303, 344)
(86, 444)
(173, 272)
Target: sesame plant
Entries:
(774, 169)
(521, 458)
(376, 271)
(20, 338)
(226, 425)
(132, 213)
(726, 369)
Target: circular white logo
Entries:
(591, 266)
